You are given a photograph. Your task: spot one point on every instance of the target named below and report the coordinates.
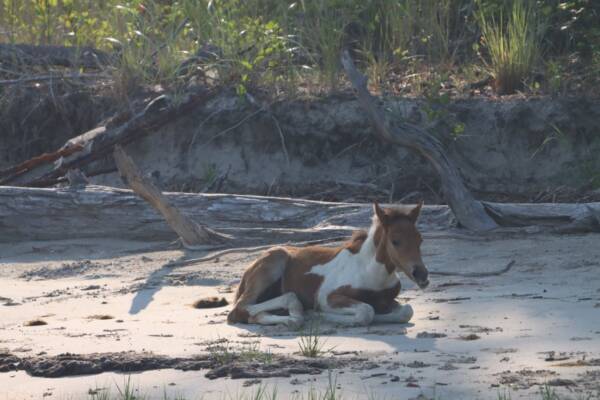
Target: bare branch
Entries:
(469, 212)
(192, 234)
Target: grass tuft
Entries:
(225, 352)
(311, 342)
(548, 393)
(505, 395)
(513, 45)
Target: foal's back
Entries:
(297, 277)
(285, 269)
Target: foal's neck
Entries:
(366, 262)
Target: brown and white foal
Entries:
(354, 284)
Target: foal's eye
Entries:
(396, 242)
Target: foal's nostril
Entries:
(420, 273)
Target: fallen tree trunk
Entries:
(103, 212)
(46, 55)
(99, 143)
(469, 212)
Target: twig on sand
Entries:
(476, 274)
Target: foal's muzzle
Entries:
(421, 276)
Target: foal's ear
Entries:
(381, 215)
(414, 213)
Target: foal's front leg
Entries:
(399, 314)
(347, 311)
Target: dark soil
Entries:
(68, 364)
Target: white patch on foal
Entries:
(360, 271)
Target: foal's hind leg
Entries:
(259, 315)
(263, 273)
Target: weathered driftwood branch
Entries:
(86, 57)
(99, 143)
(469, 212)
(103, 212)
(10, 173)
(192, 234)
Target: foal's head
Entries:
(398, 242)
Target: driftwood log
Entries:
(103, 212)
(469, 212)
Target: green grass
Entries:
(311, 343)
(128, 391)
(224, 352)
(513, 45)
(289, 47)
(548, 393)
(504, 395)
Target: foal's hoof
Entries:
(407, 313)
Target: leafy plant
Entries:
(249, 46)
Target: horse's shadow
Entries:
(144, 295)
(392, 334)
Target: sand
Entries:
(470, 337)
